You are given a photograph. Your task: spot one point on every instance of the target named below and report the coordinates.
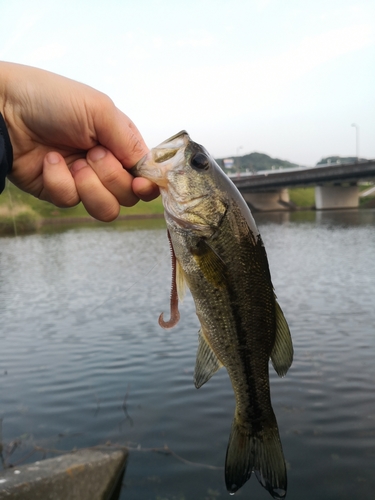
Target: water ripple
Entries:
(84, 361)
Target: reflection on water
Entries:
(321, 217)
(79, 337)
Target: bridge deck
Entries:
(333, 174)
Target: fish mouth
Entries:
(178, 140)
(168, 149)
(157, 162)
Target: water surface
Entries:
(84, 362)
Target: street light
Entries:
(356, 140)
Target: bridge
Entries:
(336, 185)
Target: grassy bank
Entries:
(22, 213)
(28, 213)
(13, 197)
(302, 197)
(13, 200)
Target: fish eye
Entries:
(199, 161)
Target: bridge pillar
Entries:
(328, 197)
(266, 201)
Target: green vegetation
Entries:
(142, 208)
(302, 197)
(338, 159)
(369, 200)
(13, 198)
(22, 213)
(24, 220)
(254, 162)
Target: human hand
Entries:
(70, 142)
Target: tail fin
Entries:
(261, 452)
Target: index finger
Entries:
(145, 189)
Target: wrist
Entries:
(3, 79)
(5, 70)
(6, 153)
(11, 74)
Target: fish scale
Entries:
(239, 326)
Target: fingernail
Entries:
(96, 154)
(52, 158)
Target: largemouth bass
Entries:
(220, 255)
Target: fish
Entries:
(218, 253)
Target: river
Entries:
(83, 360)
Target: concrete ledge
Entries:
(82, 475)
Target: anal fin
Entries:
(207, 363)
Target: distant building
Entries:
(228, 163)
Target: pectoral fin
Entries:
(210, 264)
(282, 352)
(207, 362)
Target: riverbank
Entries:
(21, 213)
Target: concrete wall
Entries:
(329, 197)
(268, 201)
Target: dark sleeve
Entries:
(6, 153)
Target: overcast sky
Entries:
(282, 77)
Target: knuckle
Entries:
(109, 177)
(137, 149)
